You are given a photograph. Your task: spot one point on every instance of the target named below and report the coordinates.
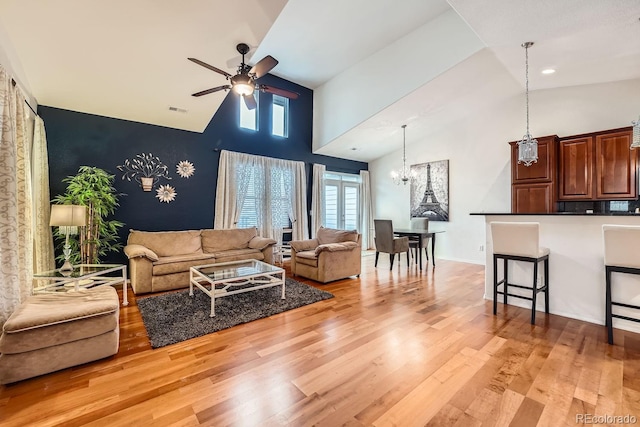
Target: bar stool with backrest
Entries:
(519, 241)
(621, 243)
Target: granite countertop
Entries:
(560, 214)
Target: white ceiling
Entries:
(127, 59)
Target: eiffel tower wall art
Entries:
(430, 191)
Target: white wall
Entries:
(376, 82)
(479, 155)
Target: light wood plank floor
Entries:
(404, 348)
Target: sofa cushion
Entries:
(331, 235)
(307, 258)
(238, 255)
(335, 247)
(214, 241)
(180, 263)
(167, 243)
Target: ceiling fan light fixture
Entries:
(242, 84)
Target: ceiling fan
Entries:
(244, 82)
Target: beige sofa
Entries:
(332, 255)
(160, 260)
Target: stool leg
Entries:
(506, 281)
(391, 256)
(408, 257)
(546, 285)
(377, 255)
(608, 315)
(535, 293)
(495, 285)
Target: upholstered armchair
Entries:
(332, 255)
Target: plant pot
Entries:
(147, 183)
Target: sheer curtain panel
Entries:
(366, 207)
(317, 198)
(16, 242)
(43, 255)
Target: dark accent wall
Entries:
(75, 139)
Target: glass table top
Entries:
(80, 270)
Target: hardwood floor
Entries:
(403, 348)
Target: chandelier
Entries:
(527, 147)
(403, 175)
(636, 134)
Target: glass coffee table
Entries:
(82, 276)
(230, 278)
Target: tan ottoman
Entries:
(49, 332)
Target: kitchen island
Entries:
(576, 266)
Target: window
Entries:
(249, 118)
(279, 116)
(342, 201)
(279, 180)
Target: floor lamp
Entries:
(68, 218)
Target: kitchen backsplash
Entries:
(604, 206)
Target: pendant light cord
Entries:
(526, 73)
(404, 151)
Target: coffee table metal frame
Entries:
(82, 276)
(251, 275)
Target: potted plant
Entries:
(145, 169)
(93, 187)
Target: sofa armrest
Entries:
(304, 245)
(135, 251)
(261, 242)
(336, 247)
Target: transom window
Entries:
(279, 116)
(249, 118)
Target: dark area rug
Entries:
(175, 317)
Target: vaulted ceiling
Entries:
(127, 59)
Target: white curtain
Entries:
(16, 243)
(366, 208)
(43, 255)
(275, 187)
(317, 198)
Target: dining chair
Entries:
(387, 243)
(419, 242)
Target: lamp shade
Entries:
(68, 215)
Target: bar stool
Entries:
(620, 256)
(519, 241)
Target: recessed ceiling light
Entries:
(353, 148)
(548, 71)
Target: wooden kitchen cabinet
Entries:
(598, 166)
(533, 198)
(615, 166)
(543, 170)
(575, 172)
(533, 188)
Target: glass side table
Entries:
(82, 276)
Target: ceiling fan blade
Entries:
(263, 66)
(282, 92)
(211, 67)
(250, 101)
(213, 89)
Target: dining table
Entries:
(420, 233)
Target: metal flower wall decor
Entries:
(145, 169)
(185, 169)
(166, 193)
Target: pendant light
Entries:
(403, 175)
(527, 147)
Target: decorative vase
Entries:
(147, 183)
